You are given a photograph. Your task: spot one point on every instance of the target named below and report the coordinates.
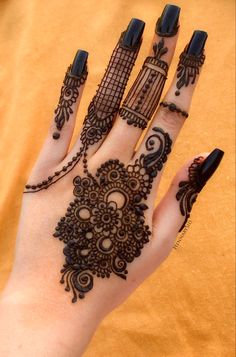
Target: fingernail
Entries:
(197, 43)
(133, 34)
(167, 24)
(79, 63)
(210, 165)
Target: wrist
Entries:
(44, 324)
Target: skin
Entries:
(37, 316)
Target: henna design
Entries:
(199, 172)
(69, 95)
(188, 69)
(106, 103)
(188, 190)
(153, 162)
(104, 227)
(58, 175)
(143, 97)
(101, 110)
(173, 108)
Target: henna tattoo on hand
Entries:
(104, 227)
(188, 69)
(191, 59)
(69, 95)
(101, 111)
(105, 104)
(188, 190)
(174, 108)
(199, 173)
(143, 97)
(58, 175)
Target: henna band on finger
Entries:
(143, 97)
(173, 108)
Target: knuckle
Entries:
(171, 119)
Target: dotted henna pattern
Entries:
(188, 190)
(104, 227)
(101, 111)
(143, 97)
(172, 107)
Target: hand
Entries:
(88, 218)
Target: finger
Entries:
(98, 121)
(62, 126)
(171, 215)
(171, 116)
(143, 97)
(105, 104)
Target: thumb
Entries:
(171, 215)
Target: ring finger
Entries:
(174, 108)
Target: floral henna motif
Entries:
(101, 111)
(143, 97)
(188, 69)
(188, 190)
(104, 227)
(69, 95)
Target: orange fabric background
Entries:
(186, 308)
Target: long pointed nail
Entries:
(210, 165)
(79, 63)
(197, 43)
(167, 24)
(133, 34)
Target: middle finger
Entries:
(143, 97)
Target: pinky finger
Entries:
(63, 123)
(171, 215)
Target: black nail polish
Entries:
(197, 43)
(167, 24)
(210, 165)
(133, 34)
(79, 63)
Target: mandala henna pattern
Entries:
(69, 95)
(104, 227)
(101, 110)
(143, 97)
(188, 190)
(188, 69)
